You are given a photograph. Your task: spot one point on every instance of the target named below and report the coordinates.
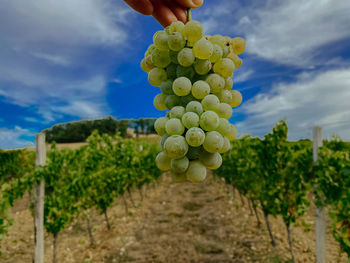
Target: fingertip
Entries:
(197, 3)
(190, 3)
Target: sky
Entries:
(70, 60)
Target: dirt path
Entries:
(175, 223)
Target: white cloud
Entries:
(81, 98)
(58, 60)
(83, 109)
(242, 76)
(313, 99)
(48, 53)
(288, 32)
(12, 138)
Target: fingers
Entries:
(179, 11)
(144, 7)
(190, 3)
(162, 13)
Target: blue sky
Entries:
(79, 59)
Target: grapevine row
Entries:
(277, 176)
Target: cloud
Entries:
(243, 76)
(288, 32)
(313, 99)
(49, 53)
(15, 138)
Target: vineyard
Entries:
(272, 178)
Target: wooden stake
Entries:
(39, 194)
(320, 213)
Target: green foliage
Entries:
(79, 131)
(279, 175)
(78, 180)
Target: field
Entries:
(174, 223)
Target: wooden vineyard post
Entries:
(320, 212)
(39, 193)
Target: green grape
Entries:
(167, 87)
(190, 119)
(236, 98)
(200, 89)
(195, 106)
(218, 40)
(208, 159)
(159, 125)
(182, 86)
(193, 31)
(160, 58)
(187, 99)
(232, 134)
(203, 49)
(228, 83)
(235, 59)
(173, 56)
(196, 172)
(172, 101)
(146, 64)
(196, 129)
(226, 51)
(161, 40)
(187, 72)
(178, 177)
(156, 76)
(193, 152)
(217, 165)
(213, 141)
(150, 50)
(176, 146)
(185, 57)
(159, 102)
(171, 71)
(176, 41)
(225, 96)
(155, 35)
(202, 66)
(226, 146)
(224, 67)
(210, 102)
(195, 136)
(224, 127)
(209, 121)
(216, 82)
(177, 112)
(163, 162)
(223, 110)
(176, 26)
(217, 53)
(174, 127)
(179, 165)
(238, 45)
(163, 139)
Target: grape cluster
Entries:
(194, 73)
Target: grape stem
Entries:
(189, 16)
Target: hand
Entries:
(165, 11)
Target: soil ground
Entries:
(174, 223)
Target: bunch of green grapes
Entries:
(194, 73)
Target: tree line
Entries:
(79, 131)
